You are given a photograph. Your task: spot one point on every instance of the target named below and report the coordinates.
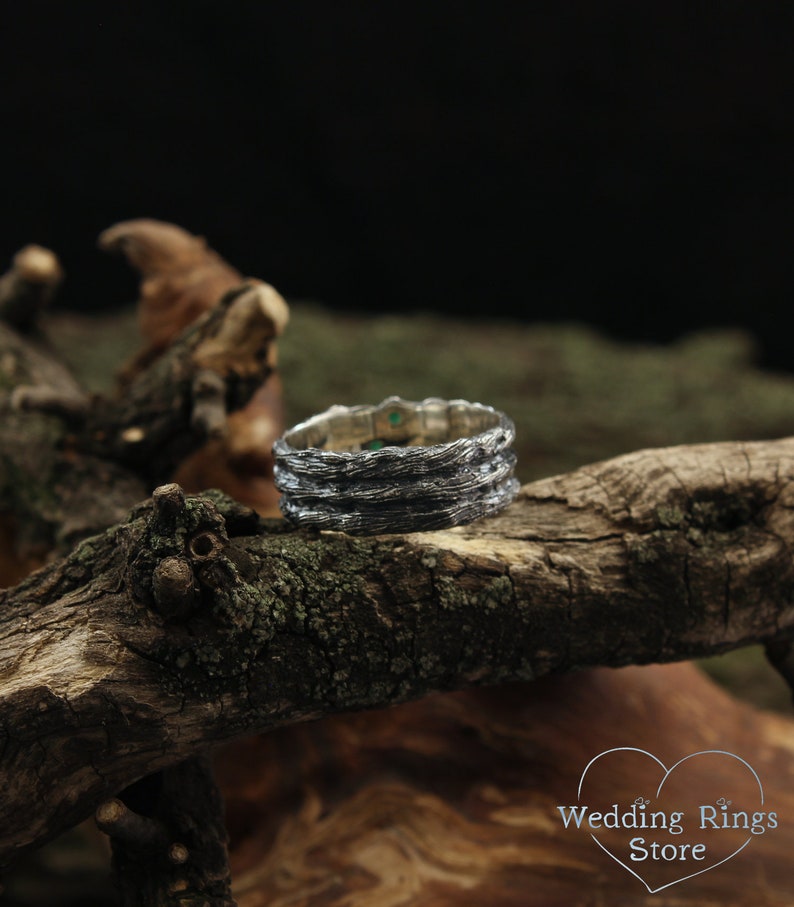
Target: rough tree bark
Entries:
(192, 621)
(72, 464)
(196, 622)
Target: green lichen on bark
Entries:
(369, 620)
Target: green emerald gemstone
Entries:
(395, 418)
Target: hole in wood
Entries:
(204, 545)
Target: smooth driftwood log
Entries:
(169, 409)
(452, 800)
(196, 622)
(182, 279)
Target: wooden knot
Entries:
(119, 822)
(168, 502)
(204, 546)
(178, 854)
(174, 587)
(145, 835)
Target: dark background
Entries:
(624, 163)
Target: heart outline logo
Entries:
(667, 773)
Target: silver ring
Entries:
(399, 466)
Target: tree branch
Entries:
(28, 287)
(170, 408)
(55, 493)
(70, 466)
(175, 853)
(195, 622)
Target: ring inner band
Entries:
(392, 423)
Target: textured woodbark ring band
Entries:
(399, 466)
